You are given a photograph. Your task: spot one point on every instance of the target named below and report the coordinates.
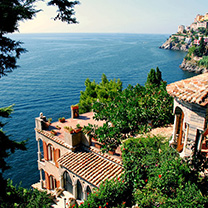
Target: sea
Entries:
(52, 74)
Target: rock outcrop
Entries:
(175, 43)
(192, 66)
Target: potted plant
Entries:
(49, 120)
(111, 149)
(98, 145)
(73, 107)
(78, 128)
(47, 123)
(62, 119)
(53, 132)
(58, 127)
(111, 152)
(69, 129)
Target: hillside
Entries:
(192, 39)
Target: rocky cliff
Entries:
(174, 43)
(192, 66)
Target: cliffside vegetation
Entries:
(184, 41)
(196, 58)
(154, 176)
(134, 110)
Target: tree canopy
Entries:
(102, 91)
(133, 110)
(14, 11)
(11, 13)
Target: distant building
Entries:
(188, 40)
(191, 115)
(193, 26)
(206, 17)
(199, 18)
(202, 24)
(181, 28)
(197, 42)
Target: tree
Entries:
(202, 47)
(11, 13)
(134, 110)
(154, 77)
(98, 91)
(7, 147)
(14, 11)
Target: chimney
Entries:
(39, 122)
(74, 111)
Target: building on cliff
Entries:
(206, 17)
(199, 18)
(71, 161)
(181, 28)
(191, 115)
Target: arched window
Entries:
(50, 152)
(67, 182)
(79, 191)
(52, 182)
(88, 191)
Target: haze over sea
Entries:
(52, 74)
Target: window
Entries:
(79, 191)
(68, 182)
(52, 182)
(88, 191)
(50, 152)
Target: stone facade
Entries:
(181, 28)
(202, 25)
(190, 111)
(69, 160)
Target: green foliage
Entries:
(25, 198)
(133, 110)
(203, 61)
(7, 147)
(111, 193)
(201, 49)
(175, 39)
(154, 77)
(202, 30)
(98, 91)
(14, 11)
(154, 176)
(65, 10)
(159, 177)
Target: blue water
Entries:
(52, 74)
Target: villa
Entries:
(69, 160)
(191, 115)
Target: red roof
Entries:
(192, 90)
(91, 166)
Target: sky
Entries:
(119, 16)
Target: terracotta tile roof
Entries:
(52, 137)
(192, 90)
(91, 166)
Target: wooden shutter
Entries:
(57, 156)
(45, 150)
(47, 181)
